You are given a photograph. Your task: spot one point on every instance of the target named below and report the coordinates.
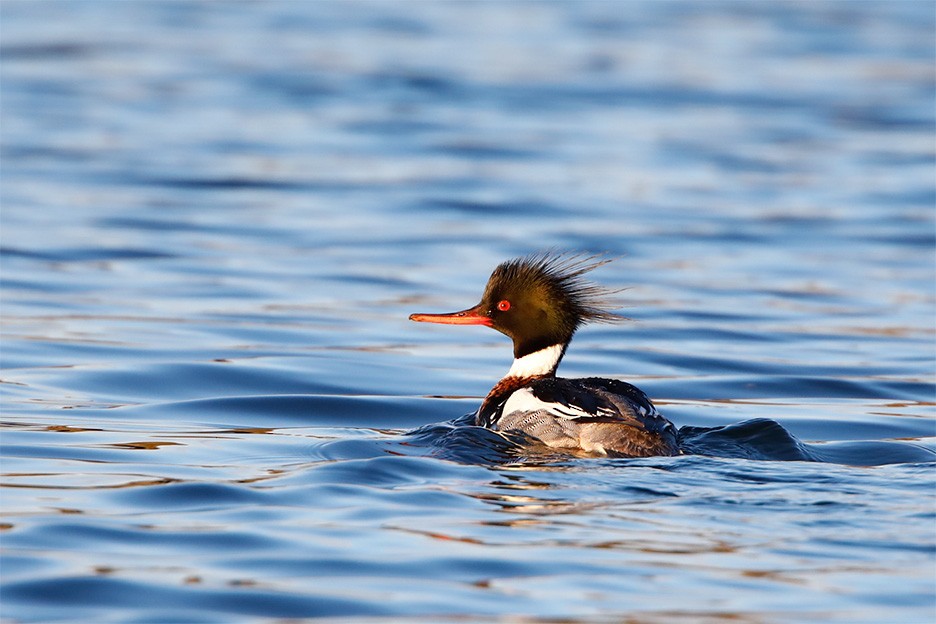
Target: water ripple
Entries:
(218, 217)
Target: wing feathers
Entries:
(583, 400)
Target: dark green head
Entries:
(539, 301)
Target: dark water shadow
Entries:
(758, 439)
(765, 439)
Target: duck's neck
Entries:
(542, 363)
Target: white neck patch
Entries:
(542, 362)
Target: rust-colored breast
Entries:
(487, 413)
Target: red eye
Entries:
(503, 306)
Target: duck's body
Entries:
(540, 301)
(601, 416)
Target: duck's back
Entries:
(595, 415)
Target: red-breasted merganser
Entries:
(539, 301)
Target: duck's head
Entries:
(538, 301)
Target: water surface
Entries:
(216, 218)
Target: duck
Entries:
(539, 301)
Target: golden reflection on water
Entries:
(151, 445)
(60, 477)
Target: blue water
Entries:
(217, 216)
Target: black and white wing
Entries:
(593, 414)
